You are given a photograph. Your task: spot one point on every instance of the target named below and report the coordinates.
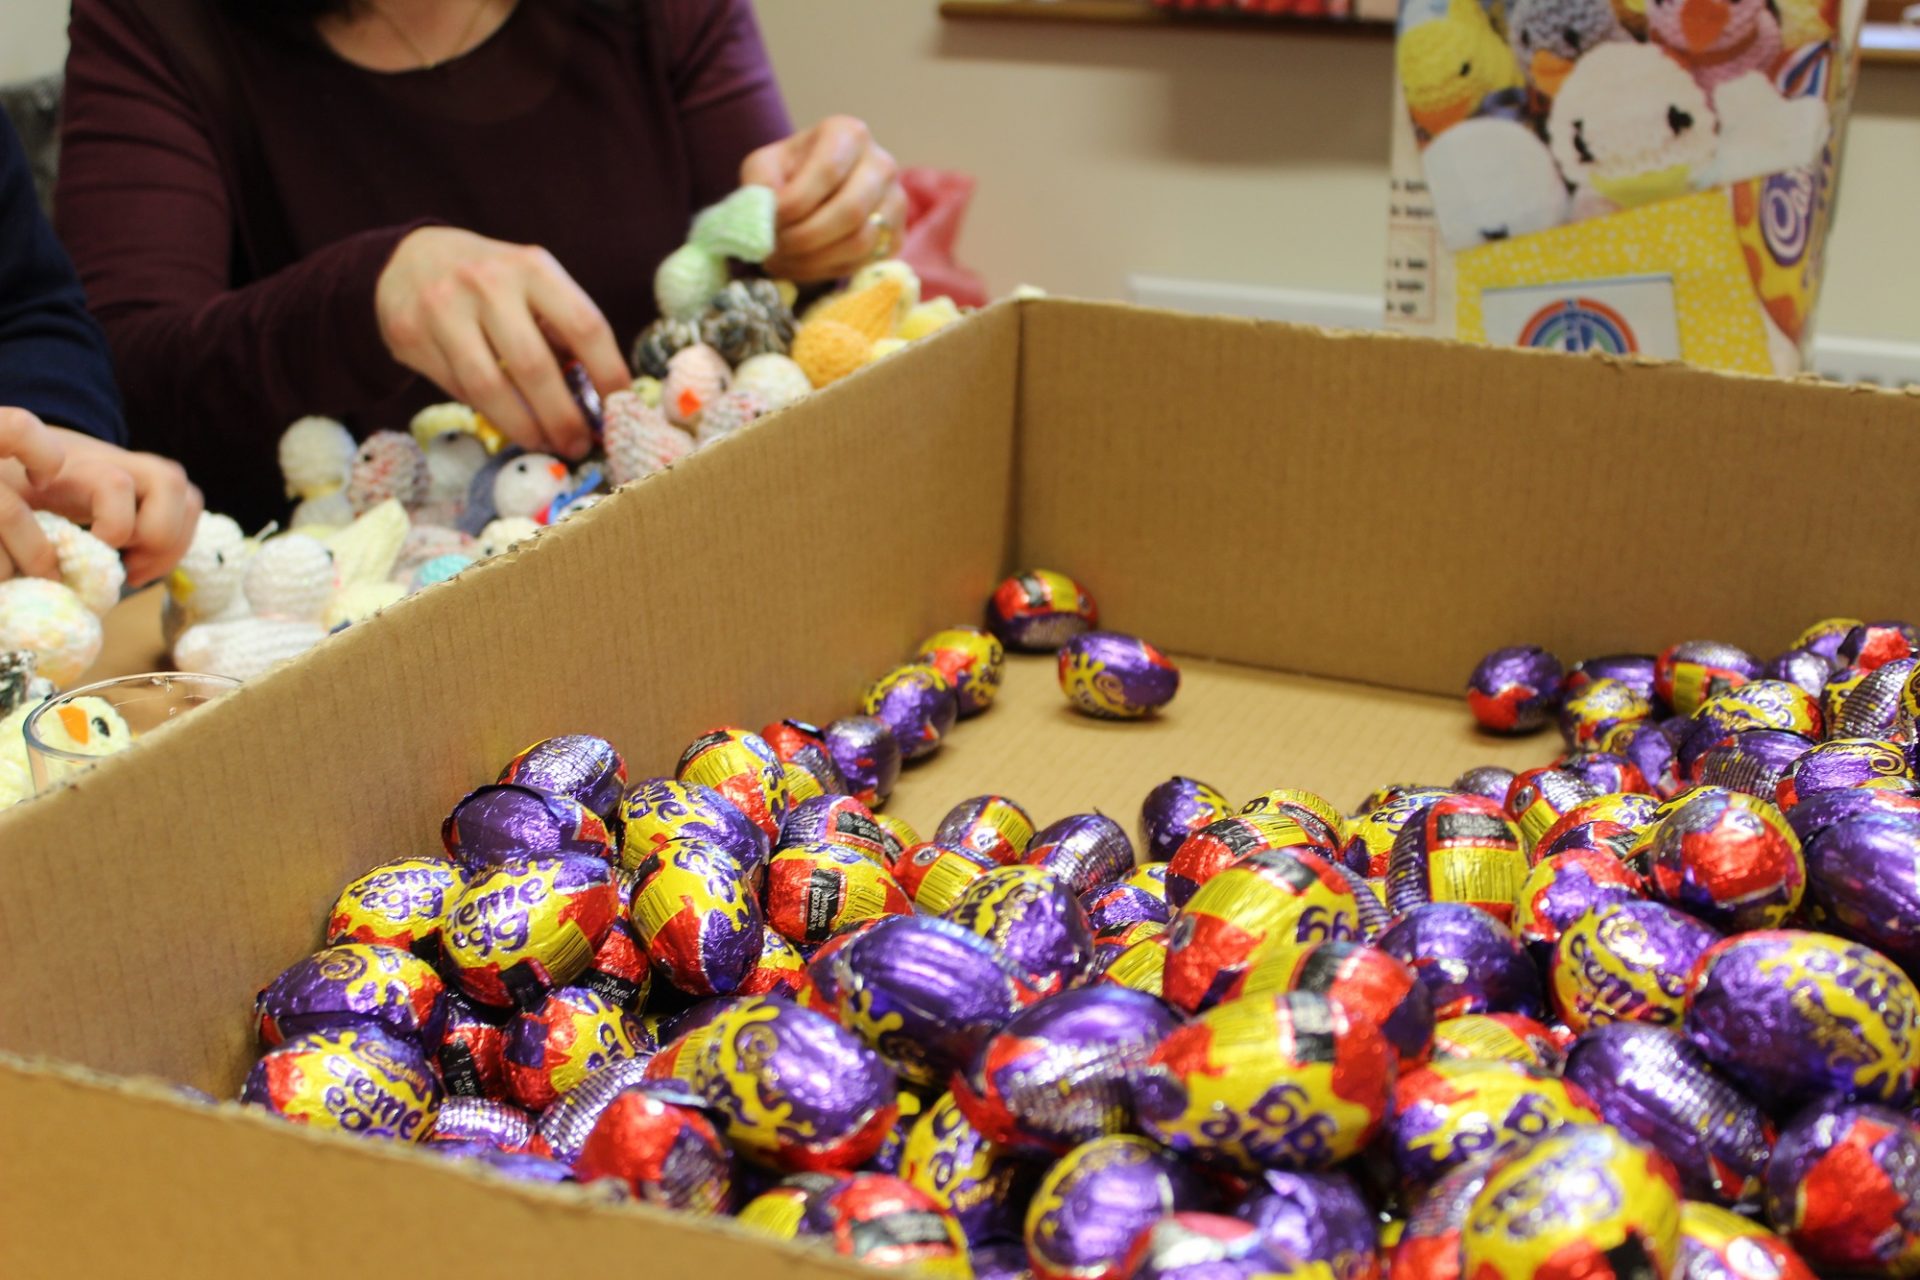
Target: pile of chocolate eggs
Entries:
(1623, 1015)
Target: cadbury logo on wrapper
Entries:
(1626, 961)
(354, 985)
(1116, 677)
(980, 1184)
(917, 705)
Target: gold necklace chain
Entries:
(428, 63)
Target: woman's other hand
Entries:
(483, 319)
(830, 181)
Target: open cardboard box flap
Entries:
(1368, 513)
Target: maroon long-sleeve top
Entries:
(230, 189)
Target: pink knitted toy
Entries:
(389, 465)
(1716, 40)
(639, 440)
(695, 375)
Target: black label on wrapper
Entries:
(825, 891)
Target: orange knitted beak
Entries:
(1702, 21)
(75, 720)
(1549, 71)
(557, 470)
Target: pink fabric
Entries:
(937, 202)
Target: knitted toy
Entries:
(367, 549)
(1451, 64)
(88, 565)
(291, 576)
(21, 691)
(695, 375)
(745, 319)
(246, 647)
(872, 310)
(1547, 36)
(358, 601)
(1492, 179)
(727, 414)
(659, 341)
(388, 465)
(438, 569)
(884, 348)
(827, 350)
(502, 535)
(85, 726)
(648, 389)
(777, 380)
(741, 226)
(316, 456)
(449, 437)
(639, 440)
(1762, 132)
(901, 274)
(289, 582)
(50, 620)
(1630, 126)
(206, 585)
(426, 542)
(528, 485)
(1717, 40)
(930, 316)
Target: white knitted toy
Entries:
(639, 440)
(205, 586)
(695, 375)
(289, 582)
(367, 549)
(726, 414)
(502, 534)
(291, 576)
(316, 455)
(85, 726)
(50, 620)
(88, 565)
(776, 379)
(527, 486)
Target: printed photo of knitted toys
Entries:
(1531, 114)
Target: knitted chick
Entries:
(358, 601)
(388, 465)
(777, 380)
(448, 435)
(648, 389)
(50, 620)
(694, 376)
(246, 647)
(872, 311)
(527, 486)
(426, 542)
(1451, 64)
(289, 582)
(897, 271)
(1548, 36)
(366, 550)
(16, 774)
(828, 351)
(206, 585)
(639, 440)
(741, 226)
(727, 414)
(84, 727)
(316, 456)
(1492, 179)
(1717, 39)
(88, 565)
(929, 317)
(503, 534)
(438, 569)
(291, 576)
(745, 319)
(1630, 126)
(1762, 132)
(659, 341)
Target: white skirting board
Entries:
(1837, 357)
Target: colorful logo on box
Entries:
(1580, 325)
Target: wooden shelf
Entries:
(1881, 43)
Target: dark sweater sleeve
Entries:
(143, 206)
(724, 88)
(53, 357)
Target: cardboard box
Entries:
(1369, 513)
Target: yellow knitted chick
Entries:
(929, 316)
(891, 269)
(1801, 23)
(884, 348)
(1450, 64)
(871, 310)
(827, 350)
(84, 727)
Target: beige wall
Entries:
(1228, 157)
(1209, 155)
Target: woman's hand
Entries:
(138, 503)
(483, 319)
(829, 181)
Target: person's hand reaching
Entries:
(138, 503)
(839, 203)
(490, 323)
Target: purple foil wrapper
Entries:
(868, 757)
(659, 810)
(489, 1120)
(1634, 670)
(1098, 1199)
(1488, 781)
(1206, 1246)
(1173, 811)
(1729, 859)
(1062, 1072)
(1086, 850)
(1843, 763)
(1650, 750)
(1607, 772)
(1774, 1010)
(1816, 813)
(986, 1188)
(1468, 960)
(1801, 667)
(495, 823)
(1006, 1261)
(1844, 1189)
(1315, 1217)
(1873, 709)
(576, 765)
(1655, 1085)
(354, 985)
(1516, 689)
(526, 1166)
(1113, 907)
(565, 1125)
(1563, 887)
(1865, 874)
(1115, 676)
(925, 993)
(1752, 760)
(835, 819)
(917, 704)
(1035, 922)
